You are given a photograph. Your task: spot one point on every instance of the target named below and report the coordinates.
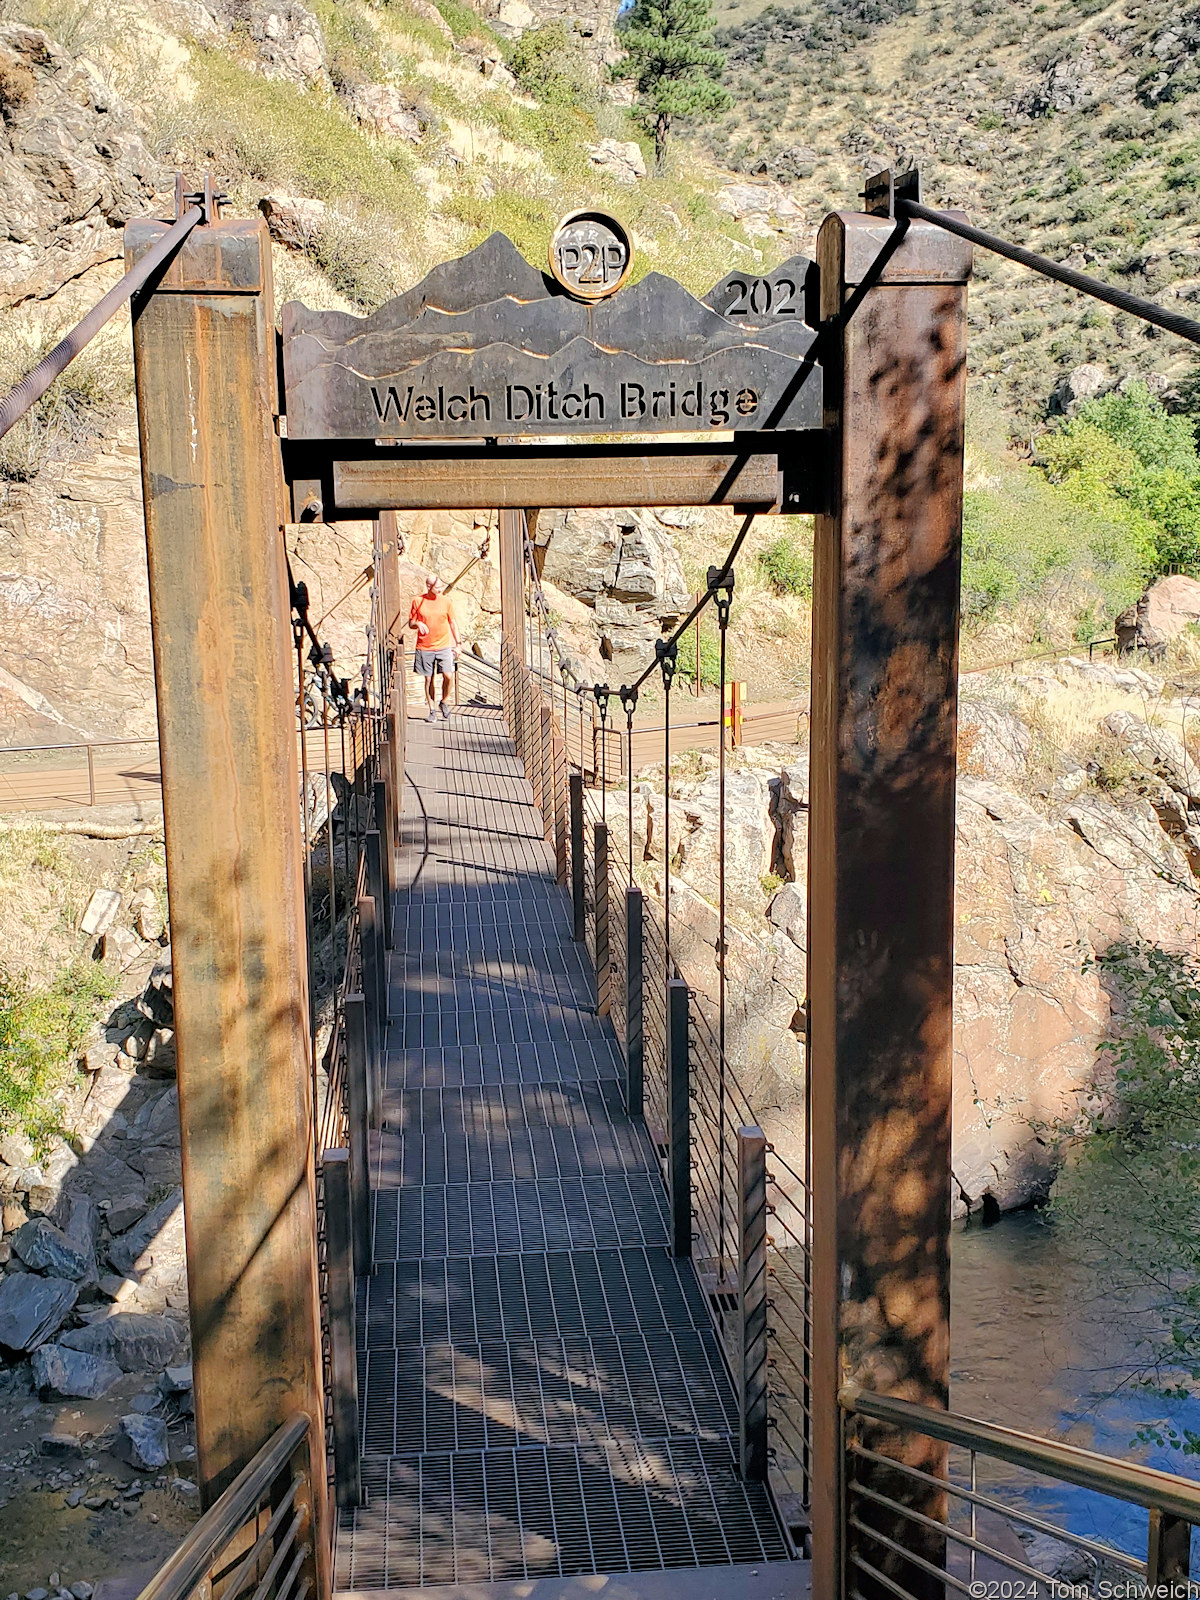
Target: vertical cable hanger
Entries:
(629, 699)
(666, 653)
(720, 586)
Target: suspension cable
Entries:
(55, 362)
(1146, 310)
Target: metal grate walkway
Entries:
(542, 1393)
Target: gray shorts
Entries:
(427, 662)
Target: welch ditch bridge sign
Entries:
(489, 345)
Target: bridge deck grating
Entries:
(541, 1390)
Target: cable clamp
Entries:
(666, 653)
(602, 693)
(720, 586)
(629, 700)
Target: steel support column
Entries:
(205, 363)
(881, 865)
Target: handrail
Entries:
(83, 744)
(182, 1571)
(1086, 1469)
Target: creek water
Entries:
(1039, 1341)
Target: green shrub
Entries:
(710, 658)
(1125, 456)
(787, 566)
(551, 64)
(39, 1033)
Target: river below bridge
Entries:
(1040, 1342)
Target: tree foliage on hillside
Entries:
(551, 64)
(1126, 457)
(1130, 1194)
(670, 55)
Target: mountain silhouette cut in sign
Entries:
(457, 354)
(491, 270)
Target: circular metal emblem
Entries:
(590, 255)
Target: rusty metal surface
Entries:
(222, 259)
(885, 622)
(219, 607)
(489, 345)
(531, 479)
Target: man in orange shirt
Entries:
(432, 615)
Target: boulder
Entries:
(135, 1250)
(45, 1248)
(101, 912)
(294, 221)
(386, 111)
(137, 1342)
(145, 1441)
(32, 1308)
(1081, 384)
(61, 1373)
(1156, 749)
(147, 916)
(623, 161)
(1172, 604)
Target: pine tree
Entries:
(670, 54)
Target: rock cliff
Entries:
(1053, 866)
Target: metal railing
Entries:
(257, 1538)
(89, 746)
(972, 1547)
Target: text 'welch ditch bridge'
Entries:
(508, 1294)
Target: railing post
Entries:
(561, 826)
(91, 776)
(383, 836)
(377, 885)
(369, 938)
(547, 771)
(343, 1357)
(752, 1303)
(358, 1106)
(578, 904)
(679, 1174)
(634, 1026)
(1168, 1552)
(600, 904)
